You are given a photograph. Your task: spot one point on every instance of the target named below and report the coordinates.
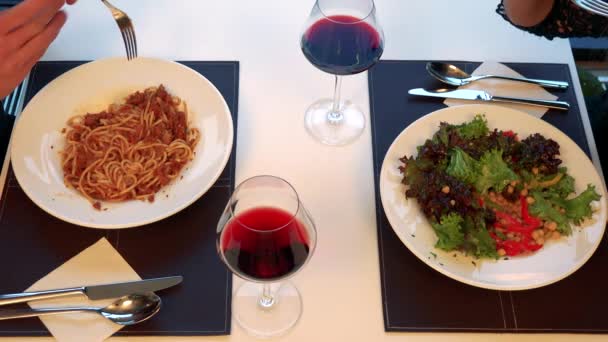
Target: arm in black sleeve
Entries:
(565, 20)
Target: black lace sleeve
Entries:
(565, 20)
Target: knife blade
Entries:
(95, 292)
(480, 95)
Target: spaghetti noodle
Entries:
(131, 150)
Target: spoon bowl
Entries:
(132, 309)
(448, 73)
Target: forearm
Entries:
(527, 13)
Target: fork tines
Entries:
(126, 29)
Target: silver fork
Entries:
(126, 29)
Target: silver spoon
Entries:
(127, 310)
(451, 74)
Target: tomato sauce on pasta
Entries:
(131, 150)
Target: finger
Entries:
(27, 11)
(20, 36)
(37, 46)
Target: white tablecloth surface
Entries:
(341, 284)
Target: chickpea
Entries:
(492, 194)
(535, 170)
(513, 183)
(529, 199)
(562, 210)
(556, 235)
(540, 241)
(510, 189)
(445, 189)
(552, 225)
(510, 235)
(502, 252)
(541, 232)
(452, 202)
(535, 234)
(524, 192)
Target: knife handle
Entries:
(561, 105)
(25, 313)
(542, 83)
(39, 295)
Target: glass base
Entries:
(264, 321)
(336, 130)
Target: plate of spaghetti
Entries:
(141, 141)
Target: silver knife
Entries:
(95, 292)
(480, 95)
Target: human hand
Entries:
(527, 13)
(26, 31)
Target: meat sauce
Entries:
(172, 127)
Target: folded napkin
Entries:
(505, 88)
(98, 264)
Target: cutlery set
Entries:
(136, 301)
(452, 75)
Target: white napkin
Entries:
(505, 88)
(98, 264)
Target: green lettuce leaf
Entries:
(449, 231)
(478, 127)
(478, 241)
(493, 172)
(579, 207)
(565, 186)
(545, 208)
(442, 135)
(462, 166)
(526, 176)
(485, 246)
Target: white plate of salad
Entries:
(493, 197)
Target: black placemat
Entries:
(416, 297)
(34, 243)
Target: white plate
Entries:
(555, 261)
(37, 138)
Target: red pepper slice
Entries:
(512, 248)
(504, 216)
(514, 225)
(520, 228)
(525, 214)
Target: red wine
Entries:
(265, 243)
(342, 45)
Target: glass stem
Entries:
(267, 299)
(335, 116)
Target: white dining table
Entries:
(341, 284)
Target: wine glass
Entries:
(265, 236)
(342, 37)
